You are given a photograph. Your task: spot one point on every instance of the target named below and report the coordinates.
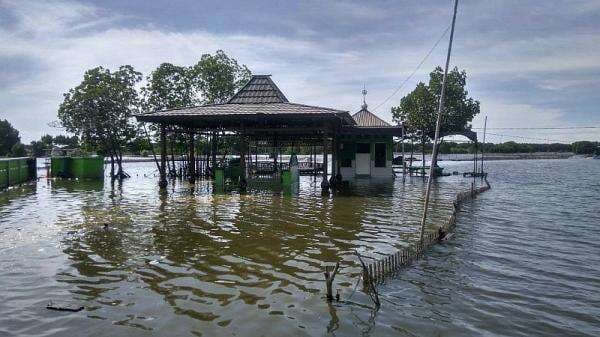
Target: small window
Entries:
(363, 148)
(380, 152)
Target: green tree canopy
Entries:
(218, 76)
(418, 109)
(70, 142)
(38, 149)
(169, 86)
(99, 110)
(214, 79)
(584, 147)
(9, 136)
(18, 150)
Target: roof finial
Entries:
(364, 93)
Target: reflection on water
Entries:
(204, 262)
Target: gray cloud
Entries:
(521, 57)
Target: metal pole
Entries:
(483, 144)
(437, 125)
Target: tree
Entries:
(218, 76)
(418, 109)
(99, 111)
(583, 147)
(38, 149)
(169, 86)
(9, 136)
(70, 142)
(47, 140)
(18, 150)
(459, 109)
(214, 79)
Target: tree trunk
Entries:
(112, 165)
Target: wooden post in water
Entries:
(192, 160)
(243, 182)
(275, 153)
(162, 183)
(214, 152)
(438, 124)
(483, 144)
(403, 157)
(329, 277)
(324, 181)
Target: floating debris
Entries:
(64, 306)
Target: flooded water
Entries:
(524, 260)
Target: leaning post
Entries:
(437, 126)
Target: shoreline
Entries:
(517, 156)
(443, 157)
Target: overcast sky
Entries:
(529, 63)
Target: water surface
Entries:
(194, 261)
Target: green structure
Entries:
(367, 149)
(14, 171)
(77, 167)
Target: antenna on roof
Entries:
(364, 93)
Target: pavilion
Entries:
(259, 113)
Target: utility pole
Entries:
(483, 144)
(437, 126)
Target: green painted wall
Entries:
(3, 174)
(87, 167)
(77, 167)
(349, 150)
(59, 167)
(16, 171)
(286, 178)
(219, 177)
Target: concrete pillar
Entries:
(162, 183)
(192, 160)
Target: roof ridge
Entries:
(263, 92)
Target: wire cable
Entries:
(543, 128)
(523, 137)
(414, 71)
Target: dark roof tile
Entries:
(260, 89)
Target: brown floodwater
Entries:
(193, 260)
(196, 261)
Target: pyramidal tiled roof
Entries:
(365, 118)
(260, 89)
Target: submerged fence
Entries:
(14, 171)
(376, 271)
